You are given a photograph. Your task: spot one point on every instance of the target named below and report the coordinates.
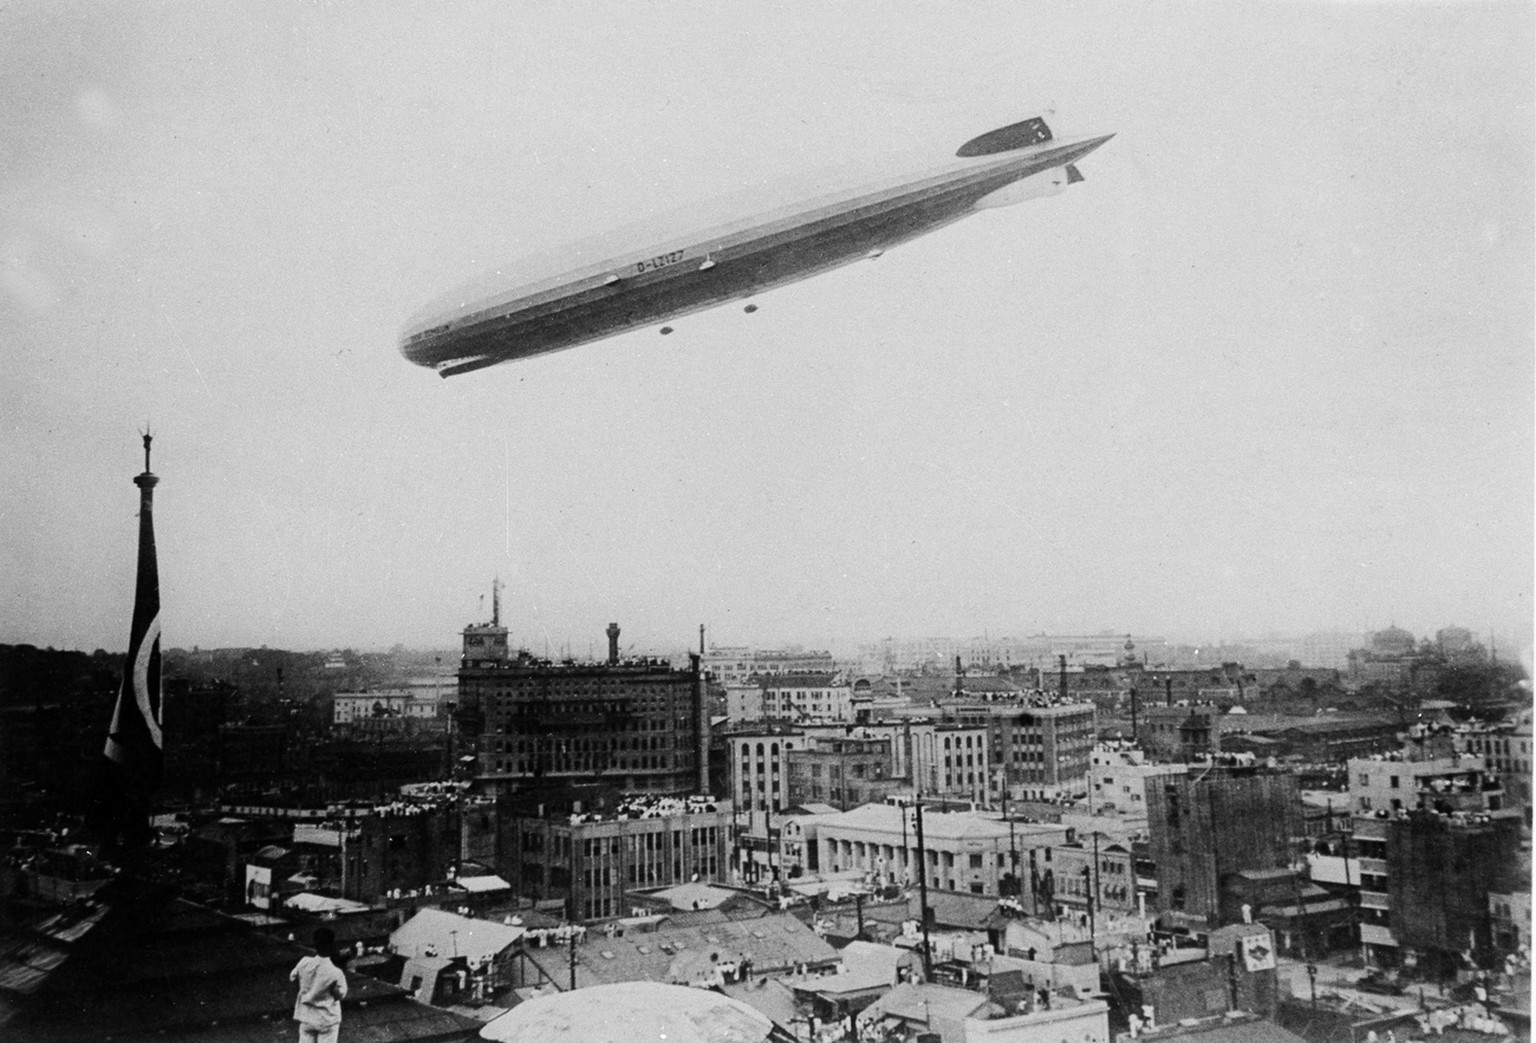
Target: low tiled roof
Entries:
(920, 1002)
(775, 943)
(965, 911)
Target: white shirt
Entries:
(322, 987)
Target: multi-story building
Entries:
(758, 767)
(1328, 648)
(961, 852)
(807, 697)
(1506, 747)
(1441, 870)
(1106, 872)
(743, 702)
(592, 860)
(423, 699)
(843, 771)
(1395, 782)
(1212, 823)
(1121, 775)
(1510, 916)
(945, 759)
(1041, 651)
(1040, 752)
(1181, 731)
(1428, 844)
(736, 665)
(637, 725)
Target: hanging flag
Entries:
(134, 742)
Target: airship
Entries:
(715, 253)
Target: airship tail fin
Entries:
(1032, 131)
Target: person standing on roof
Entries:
(322, 987)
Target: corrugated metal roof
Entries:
(450, 934)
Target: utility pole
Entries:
(573, 964)
(906, 852)
(768, 836)
(1013, 848)
(1093, 898)
(922, 888)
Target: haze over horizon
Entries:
(1268, 369)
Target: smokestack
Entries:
(701, 639)
(1061, 661)
(613, 643)
(959, 678)
(701, 722)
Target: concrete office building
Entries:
(636, 725)
(961, 852)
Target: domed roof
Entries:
(1392, 639)
(634, 1012)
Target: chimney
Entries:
(701, 724)
(1062, 661)
(613, 643)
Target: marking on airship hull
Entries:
(651, 264)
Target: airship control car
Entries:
(728, 250)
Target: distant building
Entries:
(1441, 870)
(843, 771)
(945, 759)
(637, 725)
(759, 768)
(737, 665)
(743, 702)
(589, 861)
(1510, 918)
(1193, 989)
(421, 699)
(1181, 732)
(807, 697)
(1506, 747)
(961, 852)
(1446, 784)
(1328, 649)
(1212, 823)
(1041, 751)
(1120, 777)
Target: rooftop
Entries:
(159, 968)
(433, 932)
(619, 1013)
(885, 818)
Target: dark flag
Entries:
(135, 749)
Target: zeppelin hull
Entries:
(686, 277)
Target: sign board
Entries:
(1258, 952)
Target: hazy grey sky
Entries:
(1269, 368)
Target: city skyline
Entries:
(1267, 369)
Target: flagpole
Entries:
(134, 750)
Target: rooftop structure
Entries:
(619, 1013)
